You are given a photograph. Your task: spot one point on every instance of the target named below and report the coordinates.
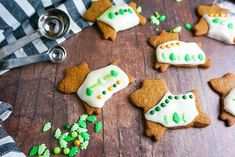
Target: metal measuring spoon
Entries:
(53, 24)
(56, 55)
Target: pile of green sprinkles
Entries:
(75, 138)
(157, 18)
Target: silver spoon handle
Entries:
(18, 62)
(9, 49)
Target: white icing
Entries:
(180, 50)
(120, 22)
(229, 102)
(185, 108)
(99, 74)
(220, 30)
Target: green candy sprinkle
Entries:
(98, 127)
(33, 151)
(114, 73)
(154, 20)
(201, 57)
(157, 108)
(176, 97)
(216, 20)
(81, 130)
(104, 92)
(111, 15)
(114, 85)
(57, 150)
(157, 14)
(73, 151)
(69, 138)
(82, 124)
(121, 11)
(83, 117)
(67, 127)
(89, 91)
(162, 18)
(84, 145)
(170, 97)
(129, 10)
(63, 143)
(46, 153)
(163, 105)
(176, 118)
(80, 138)
(188, 26)
(46, 127)
(91, 119)
(172, 57)
(85, 136)
(230, 26)
(152, 112)
(64, 135)
(184, 97)
(41, 149)
(57, 133)
(74, 134)
(139, 9)
(187, 58)
(66, 151)
(74, 127)
(167, 101)
(190, 96)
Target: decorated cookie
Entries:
(225, 86)
(164, 110)
(171, 51)
(113, 18)
(94, 88)
(215, 23)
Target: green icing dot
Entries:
(114, 85)
(190, 96)
(170, 97)
(100, 82)
(167, 101)
(111, 15)
(187, 58)
(114, 73)
(184, 97)
(104, 92)
(130, 11)
(172, 57)
(89, 91)
(121, 11)
(152, 112)
(157, 108)
(201, 57)
(166, 119)
(163, 56)
(163, 105)
(176, 118)
(216, 20)
(230, 26)
(176, 97)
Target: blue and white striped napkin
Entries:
(8, 147)
(19, 18)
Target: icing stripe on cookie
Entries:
(229, 102)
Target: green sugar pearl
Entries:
(176, 97)
(187, 58)
(157, 108)
(152, 112)
(188, 26)
(167, 101)
(172, 57)
(57, 150)
(201, 57)
(163, 105)
(170, 97)
(190, 96)
(216, 20)
(184, 97)
(66, 151)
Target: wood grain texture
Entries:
(33, 92)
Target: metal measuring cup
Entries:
(56, 55)
(53, 24)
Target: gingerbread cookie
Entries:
(225, 86)
(171, 51)
(94, 88)
(215, 23)
(164, 110)
(113, 18)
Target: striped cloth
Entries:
(19, 18)
(8, 147)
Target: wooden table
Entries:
(32, 90)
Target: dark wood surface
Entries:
(32, 90)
